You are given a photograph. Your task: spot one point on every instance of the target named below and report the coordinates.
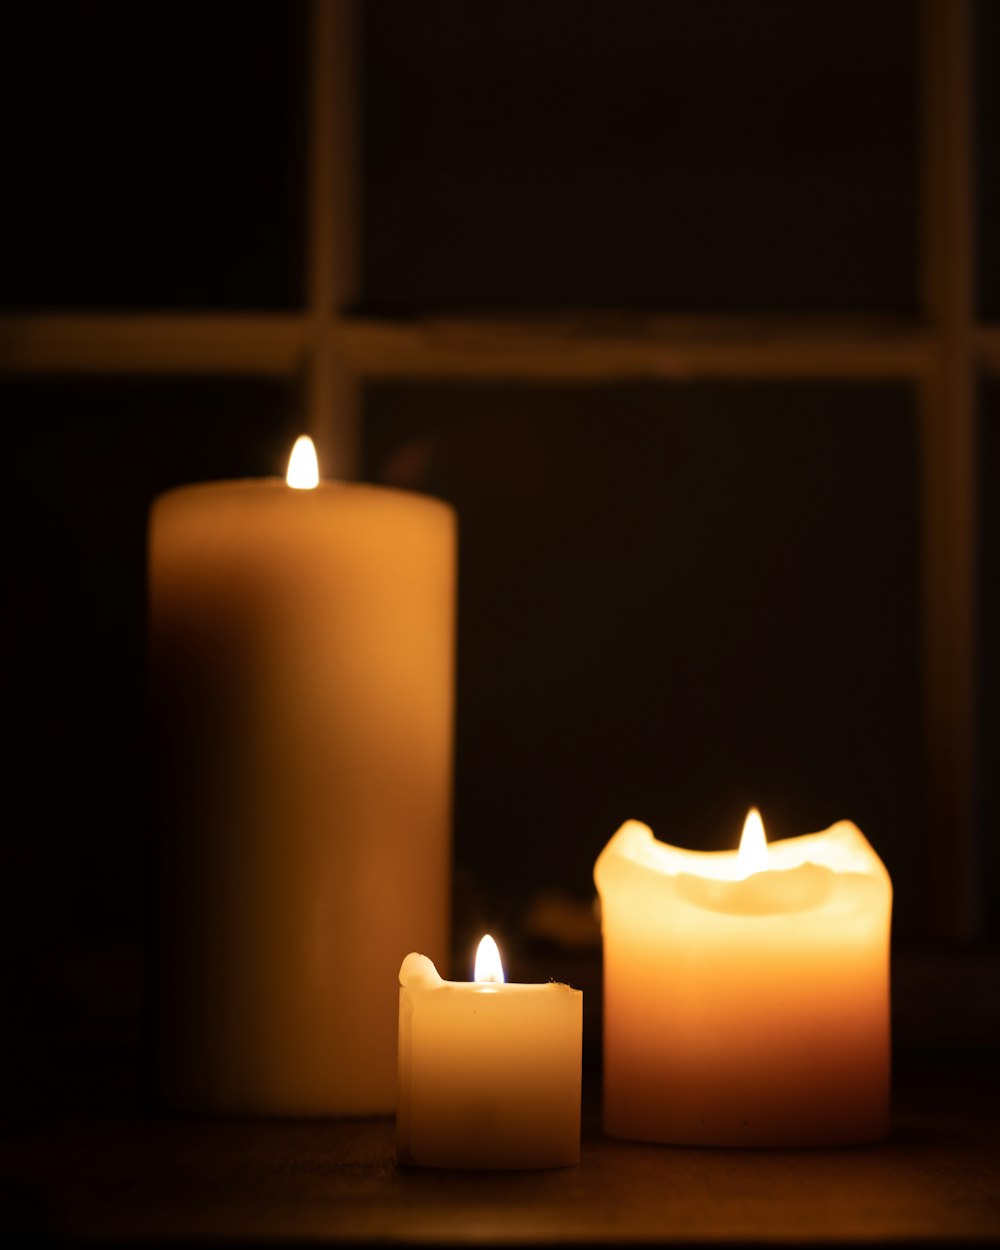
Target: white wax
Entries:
(746, 1012)
(302, 655)
(489, 1074)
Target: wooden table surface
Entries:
(145, 1179)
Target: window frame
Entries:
(942, 353)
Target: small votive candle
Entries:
(489, 1073)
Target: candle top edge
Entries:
(327, 488)
(417, 972)
(842, 848)
(492, 987)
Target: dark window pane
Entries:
(153, 156)
(674, 603)
(88, 459)
(654, 155)
(987, 43)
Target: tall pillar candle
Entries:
(302, 669)
(746, 997)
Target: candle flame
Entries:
(488, 965)
(752, 856)
(303, 469)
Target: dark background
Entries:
(675, 600)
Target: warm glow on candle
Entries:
(303, 469)
(489, 1073)
(488, 965)
(746, 993)
(301, 645)
(752, 856)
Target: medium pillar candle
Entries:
(746, 1004)
(489, 1074)
(302, 665)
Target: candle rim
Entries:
(842, 848)
(418, 972)
(491, 987)
(275, 486)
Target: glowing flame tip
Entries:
(752, 855)
(303, 469)
(488, 965)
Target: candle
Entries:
(746, 996)
(489, 1073)
(302, 652)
